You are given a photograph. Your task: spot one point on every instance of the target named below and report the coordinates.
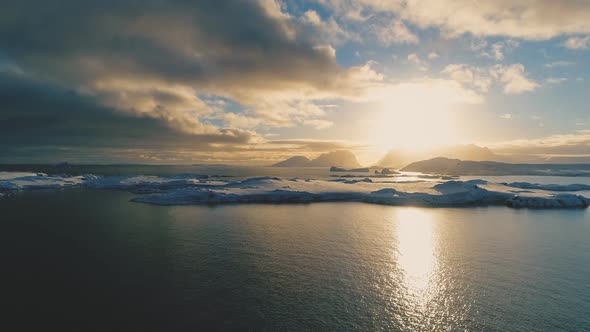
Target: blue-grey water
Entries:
(90, 260)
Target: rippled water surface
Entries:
(91, 260)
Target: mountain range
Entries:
(396, 158)
(339, 158)
(439, 157)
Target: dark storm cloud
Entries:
(43, 122)
(39, 114)
(205, 42)
(117, 73)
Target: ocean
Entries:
(91, 260)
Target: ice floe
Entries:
(549, 187)
(21, 180)
(556, 201)
(277, 190)
(149, 183)
(186, 189)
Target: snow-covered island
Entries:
(194, 189)
(478, 168)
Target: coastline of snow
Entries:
(449, 166)
(21, 181)
(549, 187)
(192, 189)
(559, 201)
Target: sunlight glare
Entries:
(415, 117)
(416, 252)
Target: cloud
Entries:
(573, 144)
(205, 76)
(577, 43)
(312, 17)
(154, 59)
(414, 59)
(506, 116)
(478, 78)
(395, 32)
(42, 122)
(194, 79)
(534, 19)
(318, 124)
(513, 78)
(310, 145)
(555, 80)
(328, 29)
(478, 44)
(497, 50)
(460, 73)
(49, 119)
(236, 120)
(561, 63)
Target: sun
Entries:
(415, 119)
(414, 129)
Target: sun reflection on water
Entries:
(417, 259)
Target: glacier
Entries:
(195, 189)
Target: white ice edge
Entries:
(197, 190)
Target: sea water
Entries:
(79, 259)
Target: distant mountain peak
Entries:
(463, 152)
(295, 161)
(339, 158)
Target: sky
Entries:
(257, 81)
